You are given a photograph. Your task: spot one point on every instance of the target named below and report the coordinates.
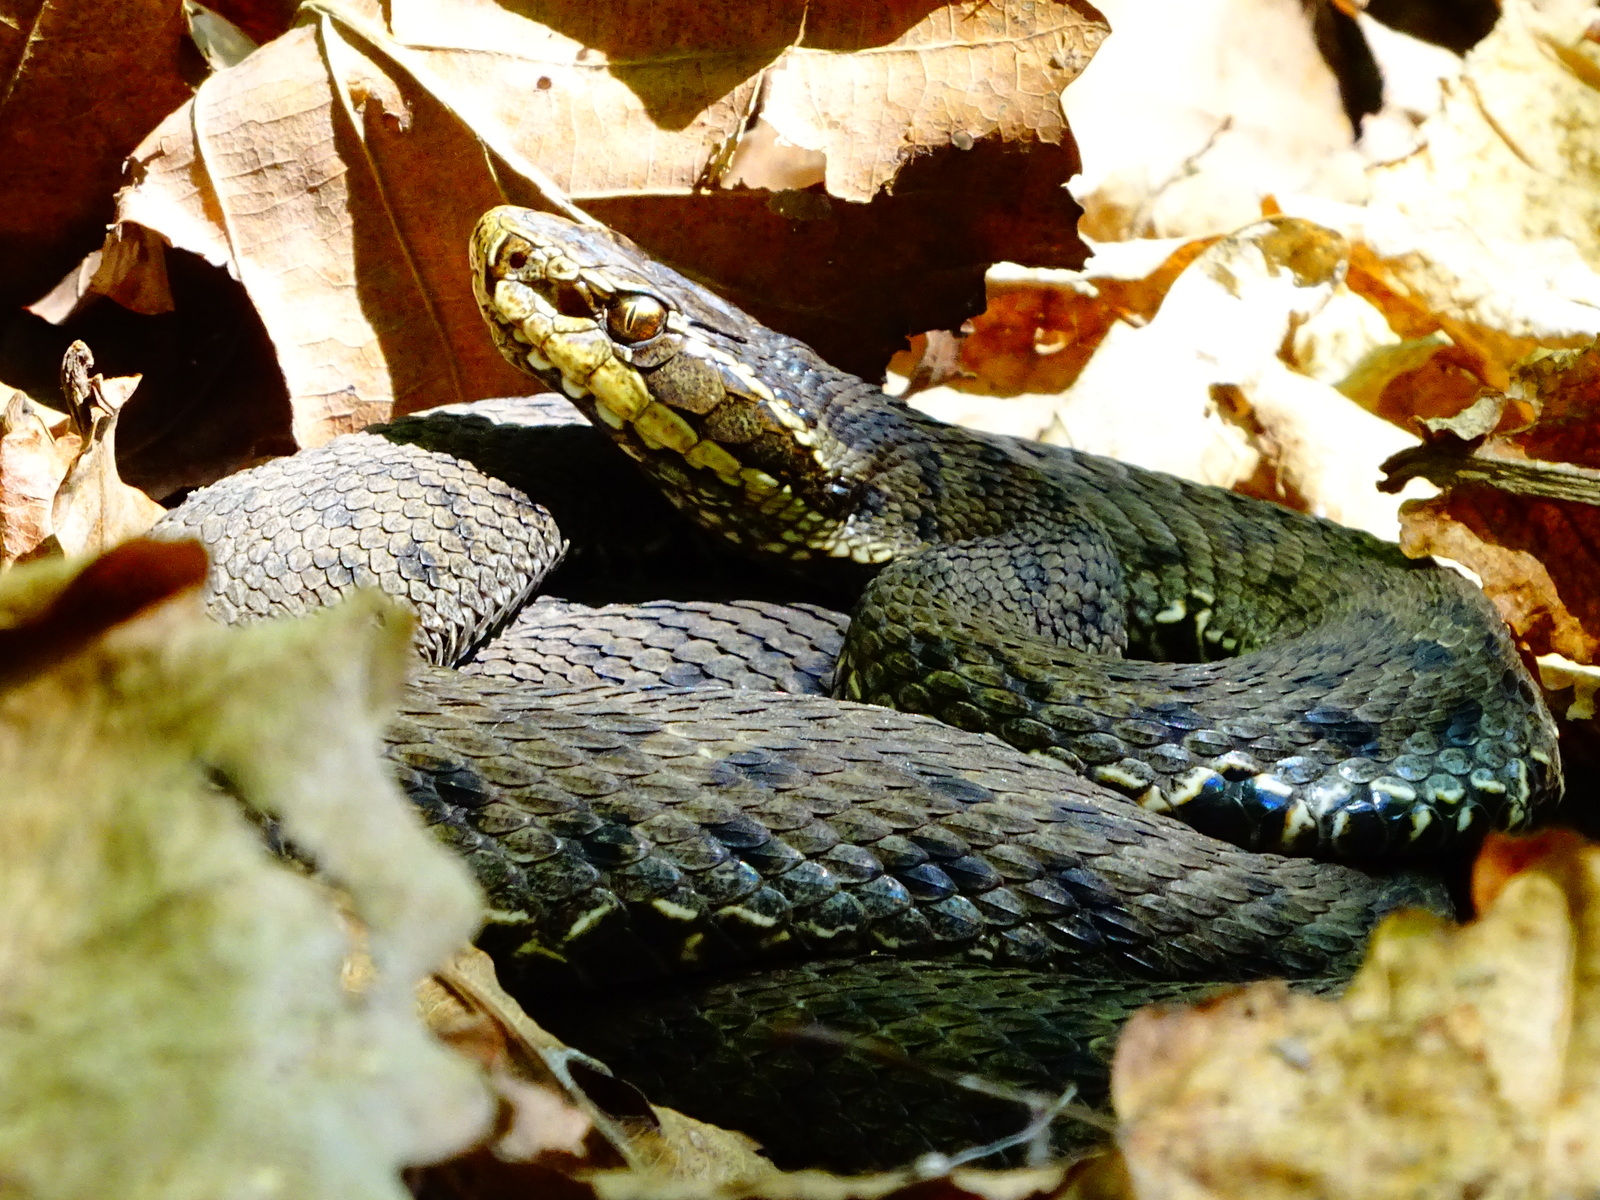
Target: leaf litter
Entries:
(1344, 284)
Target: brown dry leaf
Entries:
(1460, 1062)
(1520, 507)
(1226, 125)
(1535, 557)
(560, 1110)
(1041, 326)
(94, 510)
(1487, 233)
(81, 81)
(59, 487)
(1200, 388)
(33, 462)
(338, 171)
(177, 1018)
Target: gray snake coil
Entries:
(752, 856)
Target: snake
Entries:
(1090, 735)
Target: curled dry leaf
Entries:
(1498, 158)
(561, 1109)
(1461, 1061)
(59, 486)
(83, 82)
(177, 1019)
(338, 171)
(94, 510)
(1487, 232)
(33, 462)
(1521, 471)
(1183, 369)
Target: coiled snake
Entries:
(1257, 674)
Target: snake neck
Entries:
(748, 431)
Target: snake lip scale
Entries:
(1269, 677)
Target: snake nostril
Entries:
(516, 260)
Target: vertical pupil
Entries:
(636, 319)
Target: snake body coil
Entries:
(704, 839)
(1330, 696)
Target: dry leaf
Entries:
(1499, 157)
(551, 1118)
(1488, 231)
(1460, 1061)
(176, 1019)
(94, 510)
(1173, 356)
(1414, 73)
(1185, 125)
(33, 462)
(1520, 507)
(81, 81)
(1041, 326)
(338, 171)
(1534, 557)
(59, 487)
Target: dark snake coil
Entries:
(722, 863)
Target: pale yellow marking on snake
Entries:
(578, 355)
(1485, 782)
(620, 388)
(676, 912)
(590, 919)
(1155, 800)
(712, 457)
(748, 916)
(1118, 777)
(1276, 787)
(514, 301)
(1297, 819)
(1450, 792)
(658, 426)
(690, 951)
(758, 482)
(1192, 784)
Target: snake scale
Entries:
(687, 845)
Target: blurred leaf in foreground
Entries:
(185, 1015)
(1460, 1062)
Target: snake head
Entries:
(720, 409)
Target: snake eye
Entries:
(636, 318)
